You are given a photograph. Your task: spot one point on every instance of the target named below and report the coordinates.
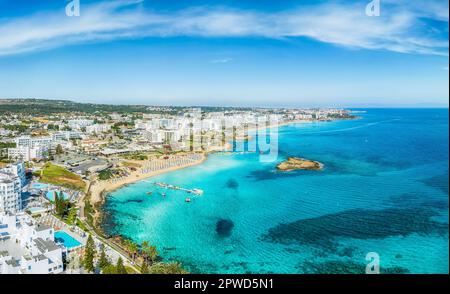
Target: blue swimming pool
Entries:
(66, 240)
(39, 186)
(37, 209)
(50, 195)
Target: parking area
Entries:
(81, 163)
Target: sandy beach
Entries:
(99, 187)
(149, 168)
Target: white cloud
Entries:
(400, 28)
(222, 60)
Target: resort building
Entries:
(67, 135)
(78, 124)
(98, 128)
(10, 193)
(33, 142)
(17, 169)
(153, 136)
(27, 247)
(26, 153)
(92, 145)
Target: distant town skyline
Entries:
(227, 53)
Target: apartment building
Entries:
(27, 247)
(10, 193)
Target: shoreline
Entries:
(99, 190)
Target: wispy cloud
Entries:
(222, 60)
(404, 26)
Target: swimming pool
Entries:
(50, 195)
(38, 185)
(66, 240)
(37, 209)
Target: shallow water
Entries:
(384, 189)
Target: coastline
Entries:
(98, 190)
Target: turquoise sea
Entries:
(384, 189)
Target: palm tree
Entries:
(134, 250)
(144, 268)
(152, 253)
(144, 248)
(131, 248)
(168, 268)
(175, 268)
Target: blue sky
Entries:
(247, 52)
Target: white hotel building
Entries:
(26, 153)
(10, 193)
(17, 169)
(27, 247)
(28, 148)
(98, 128)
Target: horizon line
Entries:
(359, 106)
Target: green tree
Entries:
(152, 253)
(144, 267)
(109, 270)
(50, 155)
(56, 202)
(61, 205)
(103, 261)
(144, 246)
(89, 255)
(120, 268)
(59, 149)
(167, 268)
(72, 215)
(131, 248)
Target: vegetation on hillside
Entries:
(60, 176)
(105, 174)
(46, 107)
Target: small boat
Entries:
(187, 199)
(163, 194)
(197, 191)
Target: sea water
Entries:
(384, 189)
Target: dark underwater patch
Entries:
(128, 215)
(347, 251)
(133, 201)
(322, 231)
(405, 199)
(265, 174)
(272, 174)
(438, 182)
(224, 227)
(232, 184)
(169, 249)
(417, 200)
(343, 267)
